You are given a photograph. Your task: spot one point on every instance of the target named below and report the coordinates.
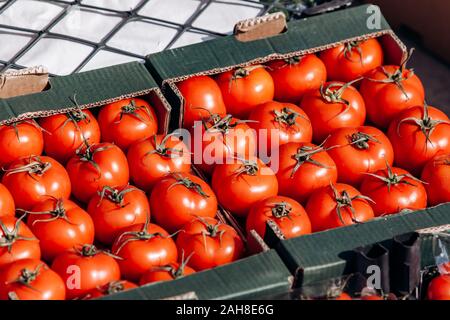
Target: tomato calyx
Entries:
(241, 73)
(29, 121)
(248, 167)
(188, 183)
(162, 150)
(291, 61)
(222, 124)
(58, 213)
(176, 273)
(348, 49)
(114, 195)
(281, 210)
(332, 93)
(112, 287)
(90, 250)
(9, 237)
(85, 154)
(35, 166)
(361, 140)
(27, 277)
(343, 200)
(287, 116)
(131, 109)
(304, 154)
(426, 124)
(211, 230)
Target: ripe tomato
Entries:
(295, 76)
(239, 185)
(30, 279)
(201, 96)
(127, 121)
(372, 298)
(113, 209)
(335, 105)
(210, 243)
(336, 206)
(351, 60)
(17, 242)
(304, 168)
(33, 179)
(436, 174)
(153, 158)
(343, 296)
(60, 225)
(439, 288)
(141, 247)
(64, 133)
(96, 166)
(387, 90)
(287, 213)
(7, 207)
(168, 272)
(417, 135)
(284, 122)
(20, 139)
(221, 138)
(110, 288)
(85, 268)
(357, 151)
(179, 198)
(245, 88)
(393, 190)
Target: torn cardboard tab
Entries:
(15, 83)
(260, 27)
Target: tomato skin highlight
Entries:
(173, 204)
(111, 169)
(439, 288)
(127, 121)
(210, 243)
(323, 213)
(239, 191)
(30, 186)
(202, 96)
(63, 133)
(22, 139)
(20, 248)
(245, 88)
(47, 285)
(354, 159)
(347, 62)
(67, 227)
(384, 101)
(412, 149)
(118, 208)
(407, 194)
(155, 274)
(7, 206)
(436, 174)
(295, 76)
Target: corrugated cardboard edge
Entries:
(15, 83)
(260, 27)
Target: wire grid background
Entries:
(135, 13)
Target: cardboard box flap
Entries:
(92, 88)
(317, 32)
(20, 82)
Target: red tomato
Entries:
(114, 209)
(84, 269)
(439, 288)
(284, 122)
(343, 296)
(245, 88)
(357, 151)
(20, 139)
(387, 90)
(239, 185)
(179, 198)
(436, 174)
(96, 166)
(17, 242)
(372, 298)
(141, 247)
(33, 179)
(60, 225)
(295, 76)
(393, 190)
(201, 96)
(417, 135)
(304, 168)
(30, 279)
(64, 133)
(221, 138)
(168, 272)
(352, 60)
(210, 243)
(335, 105)
(336, 206)
(110, 288)
(127, 121)
(7, 207)
(287, 214)
(153, 158)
